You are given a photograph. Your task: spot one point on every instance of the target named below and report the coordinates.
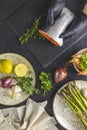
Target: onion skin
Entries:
(6, 82)
(60, 74)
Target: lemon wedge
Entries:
(6, 66)
(20, 70)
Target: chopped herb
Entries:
(26, 85)
(83, 62)
(46, 81)
(32, 32)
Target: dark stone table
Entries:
(10, 11)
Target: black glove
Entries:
(54, 10)
(78, 25)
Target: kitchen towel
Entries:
(31, 116)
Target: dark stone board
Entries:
(43, 51)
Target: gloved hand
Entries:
(54, 10)
(78, 25)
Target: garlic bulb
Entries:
(15, 91)
(84, 92)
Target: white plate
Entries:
(63, 113)
(16, 59)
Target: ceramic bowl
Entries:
(77, 68)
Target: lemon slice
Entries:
(6, 66)
(20, 70)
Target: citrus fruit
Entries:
(6, 66)
(20, 70)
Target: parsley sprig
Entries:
(26, 85)
(32, 32)
(46, 81)
(83, 62)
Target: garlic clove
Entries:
(14, 91)
(84, 92)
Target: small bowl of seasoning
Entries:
(79, 61)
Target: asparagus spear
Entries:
(71, 103)
(74, 108)
(84, 101)
(75, 100)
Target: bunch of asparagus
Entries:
(76, 101)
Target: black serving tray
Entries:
(43, 51)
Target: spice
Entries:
(32, 32)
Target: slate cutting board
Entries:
(43, 51)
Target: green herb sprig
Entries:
(83, 62)
(32, 32)
(26, 85)
(46, 81)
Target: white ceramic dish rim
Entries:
(18, 55)
(62, 87)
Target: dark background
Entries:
(9, 43)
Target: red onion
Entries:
(6, 82)
(60, 74)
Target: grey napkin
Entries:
(32, 116)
